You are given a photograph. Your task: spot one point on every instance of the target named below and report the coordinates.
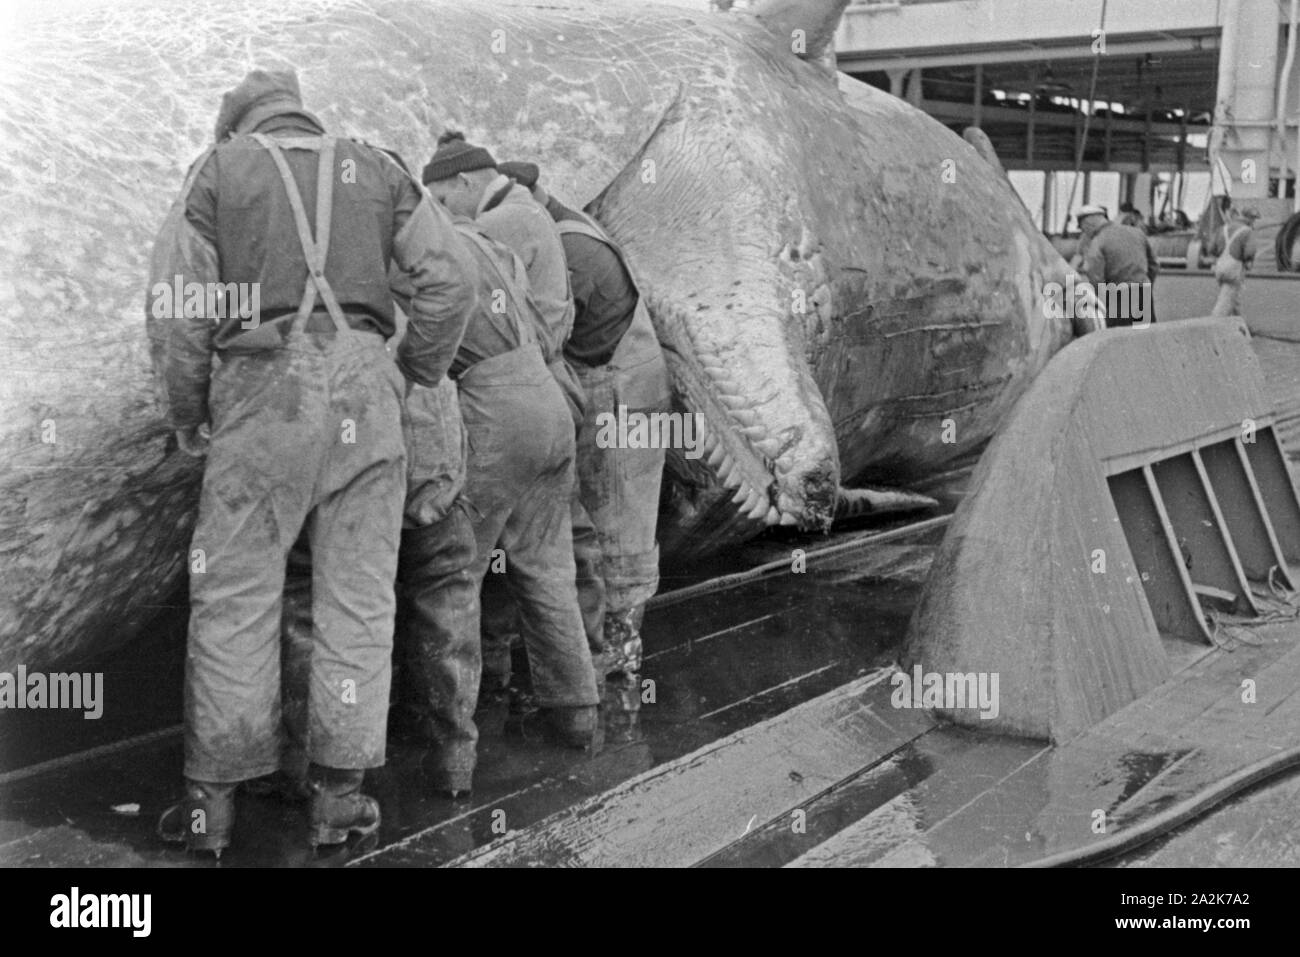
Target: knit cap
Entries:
(454, 155)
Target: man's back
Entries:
(240, 205)
(512, 217)
(1119, 253)
(604, 297)
(503, 319)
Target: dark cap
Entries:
(261, 94)
(454, 155)
(525, 174)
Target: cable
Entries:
(723, 582)
(1181, 813)
(1281, 605)
(1092, 94)
(91, 754)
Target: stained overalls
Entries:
(306, 431)
(518, 488)
(619, 488)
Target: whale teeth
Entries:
(753, 499)
(717, 455)
(741, 496)
(746, 417)
(773, 517)
(769, 446)
(729, 473)
(788, 519)
(754, 433)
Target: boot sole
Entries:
(210, 843)
(454, 784)
(323, 835)
(212, 847)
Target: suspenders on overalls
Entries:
(551, 351)
(1228, 240)
(314, 250)
(515, 285)
(639, 344)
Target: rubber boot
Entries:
(621, 658)
(438, 642)
(450, 768)
(590, 575)
(498, 633)
(573, 727)
(621, 704)
(296, 644)
(204, 818)
(338, 808)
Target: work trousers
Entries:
(614, 508)
(518, 493)
(305, 436)
(619, 488)
(1228, 301)
(436, 635)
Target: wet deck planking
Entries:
(895, 831)
(783, 640)
(683, 811)
(907, 781)
(719, 664)
(1260, 829)
(1191, 732)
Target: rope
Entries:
(1276, 605)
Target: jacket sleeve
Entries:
(439, 284)
(185, 253)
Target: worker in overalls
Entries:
(1238, 253)
(521, 472)
(616, 355)
(465, 177)
(306, 431)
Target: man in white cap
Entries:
(1115, 254)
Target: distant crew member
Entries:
(1129, 215)
(305, 415)
(525, 480)
(1119, 261)
(616, 354)
(1238, 253)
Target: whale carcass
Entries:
(845, 289)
